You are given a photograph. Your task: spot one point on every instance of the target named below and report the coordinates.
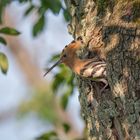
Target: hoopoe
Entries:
(94, 68)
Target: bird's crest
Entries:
(74, 45)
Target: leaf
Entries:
(48, 136)
(42, 10)
(3, 41)
(55, 58)
(66, 127)
(64, 100)
(54, 5)
(9, 31)
(29, 10)
(3, 4)
(39, 26)
(58, 81)
(3, 63)
(66, 15)
(70, 79)
(1, 12)
(21, 1)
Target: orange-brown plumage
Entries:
(89, 68)
(69, 57)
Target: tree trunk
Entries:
(110, 30)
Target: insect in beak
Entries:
(57, 63)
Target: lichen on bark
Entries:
(111, 31)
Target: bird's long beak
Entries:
(57, 63)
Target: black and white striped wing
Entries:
(94, 69)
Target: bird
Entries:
(93, 68)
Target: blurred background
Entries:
(32, 106)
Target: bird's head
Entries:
(68, 54)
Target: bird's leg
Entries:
(106, 84)
(104, 81)
(103, 88)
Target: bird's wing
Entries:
(94, 69)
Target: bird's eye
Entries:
(64, 55)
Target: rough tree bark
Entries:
(111, 31)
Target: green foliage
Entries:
(3, 58)
(3, 41)
(66, 127)
(48, 136)
(66, 95)
(63, 79)
(53, 5)
(29, 10)
(39, 26)
(9, 31)
(3, 63)
(3, 4)
(66, 15)
(21, 1)
(43, 103)
(64, 100)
